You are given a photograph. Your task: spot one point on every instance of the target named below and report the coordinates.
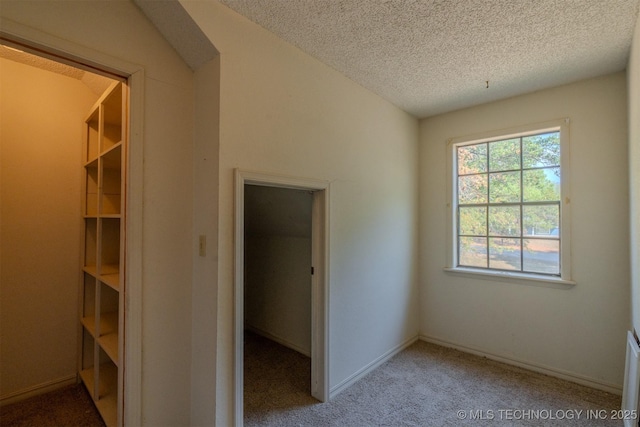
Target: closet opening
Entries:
(281, 290)
(277, 297)
(64, 152)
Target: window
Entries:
(507, 195)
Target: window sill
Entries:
(505, 276)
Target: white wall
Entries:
(278, 289)
(633, 75)
(284, 112)
(580, 331)
(40, 142)
(118, 32)
(277, 294)
(205, 223)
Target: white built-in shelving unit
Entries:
(103, 287)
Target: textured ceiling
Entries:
(40, 62)
(429, 57)
(96, 83)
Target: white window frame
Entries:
(564, 279)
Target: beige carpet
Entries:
(425, 385)
(67, 407)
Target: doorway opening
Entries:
(277, 299)
(79, 78)
(305, 225)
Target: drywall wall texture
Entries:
(41, 132)
(580, 331)
(283, 112)
(117, 31)
(633, 76)
(277, 294)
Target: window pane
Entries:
(541, 256)
(505, 187)
(472, 189)
(541, 150)
(472, 251)
(472, 159)
(541, 220)
(504, 155)
(504, 221)
(504, 254)
(473, 221)
(541, 185)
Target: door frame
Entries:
(43, 44)
(319, 280)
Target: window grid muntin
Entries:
(521, 205)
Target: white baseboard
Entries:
(35, 390)
(279, 340)
(553, 372)
(370, 367)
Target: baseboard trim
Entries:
(553, 372)
(35, 390)
(277, 339)
(349, 381)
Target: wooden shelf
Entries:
(109, 344)
(93, 135)
(111, 156)
(109, 320)
(107, 399)
(110, 275)
(91, 189)
(111, 216)
(111, 168)
(89, 323)
(110, 251)
(87, 376)
(90, 242)
(91, 163)
(108, 408)
(110, 205)
(111, 280)
(91, 269)
(107, 402)
(112, 126)
(108, 324)
(108, 269)
(108, 339)
(103, 209)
